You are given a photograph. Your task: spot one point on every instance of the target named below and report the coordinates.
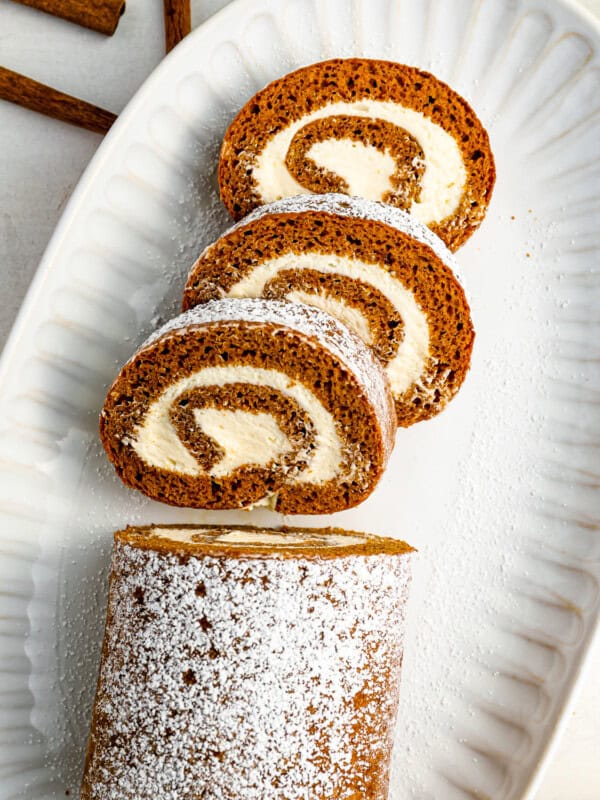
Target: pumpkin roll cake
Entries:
(243, 402)
(374, 267)
(244, 663)
(368, 128)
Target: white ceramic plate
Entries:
(499, 493)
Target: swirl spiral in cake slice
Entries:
(244, 663)
(377, 269)
(367, 128)
(238, 402)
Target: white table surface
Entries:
(40, 163)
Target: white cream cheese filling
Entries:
(442, 184)
(365, 169)
(246, 438)
(267, 537)
(408, 365)
(156, 441)
(254, 537)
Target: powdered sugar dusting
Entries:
(312, 323)
(239, 678)
(357, 208)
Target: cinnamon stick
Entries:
(36, 96)
(178, 21)
(99, 15)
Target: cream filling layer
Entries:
(442, 184)
(235, 536)
(365, 169)
(408, 365)
(238, 433)
(156, 441)
(266, 537)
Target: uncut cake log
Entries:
(243, 663)
(367, 128)
(239, 402)
(374, 267)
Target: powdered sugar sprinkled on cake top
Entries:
(358, 208)
(236, 679)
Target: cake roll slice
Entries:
(374, 267)
(243, 402)
(368, 128)
(244, 663)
